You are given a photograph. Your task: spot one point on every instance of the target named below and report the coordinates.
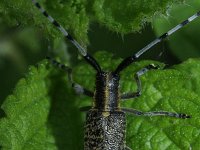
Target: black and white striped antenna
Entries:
(127, 61)
(159, 39)
(81, 50)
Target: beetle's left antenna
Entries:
(81, 50)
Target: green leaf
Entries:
(71, 15)
(76, 15)
(26, 112)
(43, 112)
(184, 43)
(191, 69)
(129, 16)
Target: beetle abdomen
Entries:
(105, 132)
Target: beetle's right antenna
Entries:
(81, 50)
(159, 39)
(127, 61)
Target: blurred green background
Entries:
(23, 44)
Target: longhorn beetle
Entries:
(105, 120)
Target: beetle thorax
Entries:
(106, 97)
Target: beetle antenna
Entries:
(81, 50)
(127, 61)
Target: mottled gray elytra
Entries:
(105, 125)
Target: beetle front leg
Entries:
(138, 82)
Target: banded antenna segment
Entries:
(127, 61)
(81, 50)
(159, 39)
